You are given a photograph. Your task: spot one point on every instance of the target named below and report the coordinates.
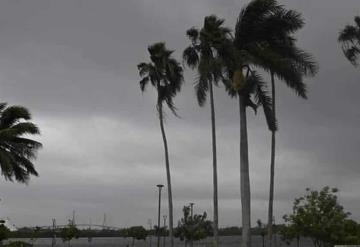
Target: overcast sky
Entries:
(73, 64)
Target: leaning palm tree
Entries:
(350, 39)
(202, 55)
(166, 75)
(17, 152)
(282, 59)
(262, 40)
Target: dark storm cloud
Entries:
(73, 63)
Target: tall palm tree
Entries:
(262, 40)
(250, 89)
(350, 39)
(16, 151)
(202, 55)
(166, 75)
(290, 64)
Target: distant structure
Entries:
(104, 222)
(8, 224)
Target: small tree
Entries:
(69, 232)
(4, 233)
(193, 228)
(35, 234)
(261, 230)
(136, 233)
(319, 216)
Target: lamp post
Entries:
(160, 186)
(164, 230)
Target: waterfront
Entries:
(228, 241)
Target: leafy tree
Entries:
(193, 228)
(349, 38)
(35, 234)
(166, 75)
(202, 55)
(319, 216)
(17, 152)
(4, 233)
(136, 233)
(69, 232)
(261, 231)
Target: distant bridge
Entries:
(81, 226)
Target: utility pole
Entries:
(160, 186)
(164, 230)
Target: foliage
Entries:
(349, 38)
(137, 232)
(194, 227)
(4, 232)
(35, 234)
(203, 54)
(164, 73)
(69, 232)
(134, 232)
(230, 231)
(319, 216)
(18, 244)
(16, 151)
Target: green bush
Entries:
(18, 244)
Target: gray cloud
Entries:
(73, 63)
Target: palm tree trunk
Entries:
(213, 132)
(168, 177)
(244, 176)
(272, 169)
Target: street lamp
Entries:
(158, 230)
(164, 230)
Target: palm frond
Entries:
(16, 151)
(13, 114)
(164, 73)
(349, 38)
(191, 57)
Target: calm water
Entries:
(124, 242)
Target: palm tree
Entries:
(290, 64)
(350, 39)
(251, 92)
(166, 75)
(262, 40)
(16, 151)
(202, 55)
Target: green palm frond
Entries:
(206, 53)
(349, 38)
(17, 152)
(164, 73)
(263, 98)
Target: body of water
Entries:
(226, 241)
